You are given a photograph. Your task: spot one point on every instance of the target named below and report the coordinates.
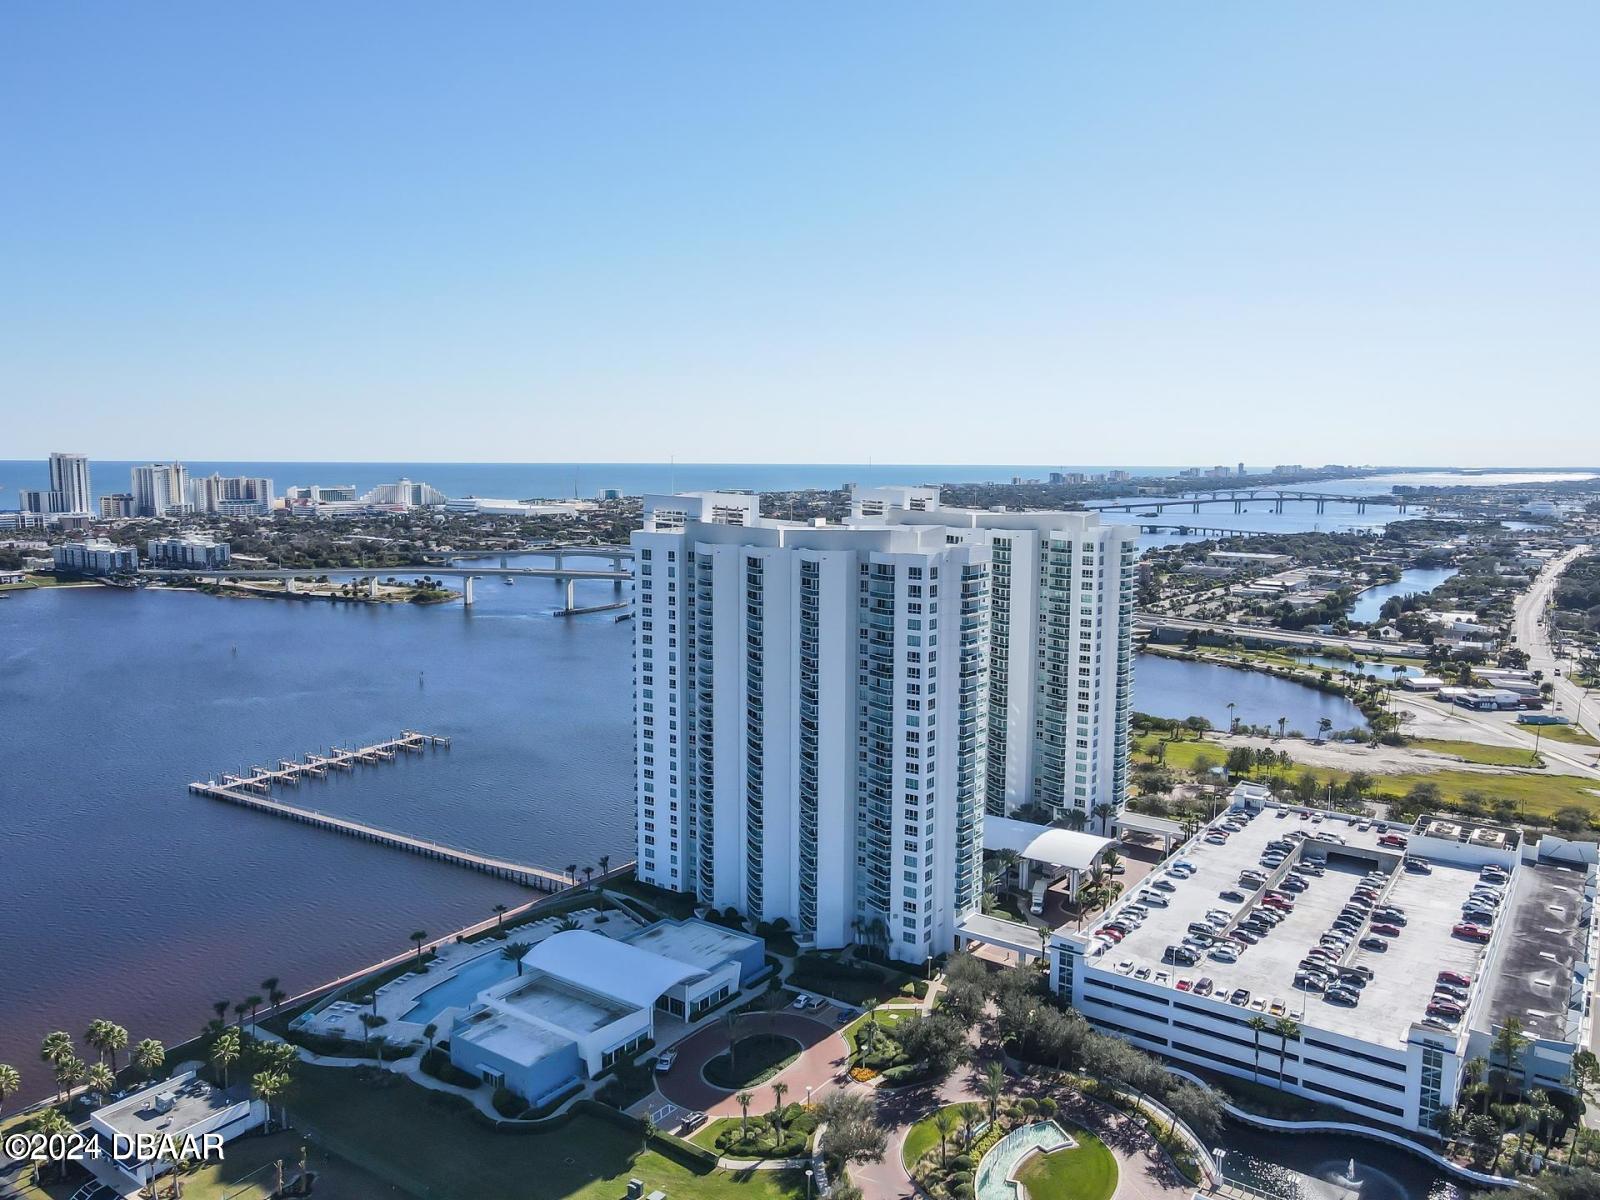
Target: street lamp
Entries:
(808, 1183)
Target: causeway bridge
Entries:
(568, 575)
(1239, 497)
(253, 791)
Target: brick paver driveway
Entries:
(823, 1057)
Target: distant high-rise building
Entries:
(161, 490)
(116, 505)
(69, 479)
(405, 493)
(231, 495)
(1241, 469)
(187, 551)
(95, 556)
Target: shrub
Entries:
(507, 1103)
(1028, 1105)
(919, 989)
(1047, 1106)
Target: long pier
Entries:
(253, 791)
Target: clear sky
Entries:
(919, 232)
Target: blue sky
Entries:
(1064, 232)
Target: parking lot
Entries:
(1403, 976)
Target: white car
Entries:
(665, 1059)
(1223, 954)
(802, 1001)
(1125, 966)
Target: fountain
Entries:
(1348, 1179)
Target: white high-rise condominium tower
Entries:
(811, 709)
(69, 483)
(1061, 650)
(160, 489)
(803, 752)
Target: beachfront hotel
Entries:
(814, 710)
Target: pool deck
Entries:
(342, 1018)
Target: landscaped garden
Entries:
(781, 1133)
(1086, 1171)
(751, 1060)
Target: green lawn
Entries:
(923, 1137)
(760, 1057)
(1087, 1171)
(1477, 752)
(1562, 733)
(1537, 795)
(430, 1149)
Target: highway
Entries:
(1532, 632)
(1283, 637)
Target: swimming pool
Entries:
(461, 988)
(1002, 1159)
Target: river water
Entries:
(129, 898)
(1416, 581)
(1171, 687)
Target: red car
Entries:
(1389, 931)
(1392, 840)
(1456, 978)
(1116, 935)
(1278, 902)
(1476, 933)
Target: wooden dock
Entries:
(253, 791)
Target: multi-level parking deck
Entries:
(1403, 976)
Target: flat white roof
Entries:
(596, 963)
(502, 1034)
(1043, 843)
(193, 1101)
(694, 943)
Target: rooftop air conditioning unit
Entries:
(166, 1102)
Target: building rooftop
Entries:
(1043, 843)
(1535, 976)
(193, 1100)
(592, 962)
(698, 944)
(1403, 977)
(560, 1003)
(502, 1034)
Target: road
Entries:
(1532, 632)
(1284, 637)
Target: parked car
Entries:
(1239, 996)
(1473, 933)
(665, 1059)
(1386, 930)
(1232, 894)
(1455, 977)
(1203, 986)
(1373, 943)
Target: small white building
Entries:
(143, 1134)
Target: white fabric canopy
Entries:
(1043, 843)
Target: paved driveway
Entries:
(823, 1056)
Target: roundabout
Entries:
(751, 1061)
(822, 1054)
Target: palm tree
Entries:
(269, 1085)
(430, 1031)
(1508, 1044)
(115, 1037)
(588, 876)
(276, 996)
(1233, 721)
(418, 936)
(239, 1011)
(993, 1085)
(779, 1090)
(568, 924)
(744, 1100)
(1324, 724)
(69, 1073)
(572, 873)
(10, 1082)
(1286, 1030)
(95, 1035)
(969, 1118)
(1258, 1025)
(148, 1056)
(220, 1007)
(1282, 721)
(100, 1080)
(1103, 813)
(372, 1021)
(1472, 1071)
(56, 1046)
(255, 1003)
(944, 1124)
(515, 952)
(53, 1123)
(605, 863)
(500, 911)
(225, 1052)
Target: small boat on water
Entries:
(508, 581)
